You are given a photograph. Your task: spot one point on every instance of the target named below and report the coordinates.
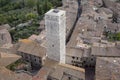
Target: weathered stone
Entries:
(55, 21)
(98, 3)
(5, 37)
(107, 68)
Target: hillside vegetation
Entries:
(18, 12)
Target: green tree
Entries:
(3, 19)
(30, 3)
(118, 36)
(31, 16)
(117, 0)
(39, 7)
(3, 2)
(56, 3)
(47, 5)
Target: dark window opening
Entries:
(52, 45)
(91, 59)
(72, 61)
(77, 58)
(69, 78)
(40, 61)
(84, 61)
(2, 37)
(26, 57)
(73, 57)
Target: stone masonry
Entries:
(55, 22)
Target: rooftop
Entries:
(31, 47)
(74, 52)
(55, 12)
(107, 51)
(6, 74)
(64, 70)
(7, 58)
(107, 68)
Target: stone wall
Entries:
(55, 27)
(5, 37)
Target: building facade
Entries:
(32, 52)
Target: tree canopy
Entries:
(15, 12)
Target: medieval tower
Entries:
(55, 22)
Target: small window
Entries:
(69, 78)
(40, 61)
(91, 59)
(77, 58)
(99, 4)
(84, 61)
(36, 64)
(72, 61)
(27, 60)
(22, 55)
(73, 57)
(52, 45)
(26, 57)
(2, 37)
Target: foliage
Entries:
(15, 64)
(113, 36)
(24, 32)
(44, 6)
(40, 10)
(17, 16)
(56, 3)
(15, 12)
(117, 0)
(11, 6)
(30, 16)
(4, 2)
(30, 3)
(47, 5)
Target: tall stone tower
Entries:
(55, 22)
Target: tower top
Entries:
(55, 12)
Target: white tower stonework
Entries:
(55, 22)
